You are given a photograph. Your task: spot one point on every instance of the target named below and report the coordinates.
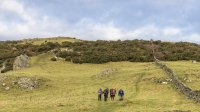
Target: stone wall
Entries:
(188, 92)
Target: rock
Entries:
(67, 49)
(7, 88)
(4, 84)
(189, 80)
(106, 72)
(14, 82)
(164, 82)
(21, 62)
(27, 83)
(194, 61)
(3, 67)
(2, 78)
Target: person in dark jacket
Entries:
(121, 94)
(106, 92)
(112, 94)
(100, 92)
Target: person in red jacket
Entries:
(112, 94)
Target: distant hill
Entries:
(100, 51)
(38, 41)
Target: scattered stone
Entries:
(194, 61)
(2, 78)
(7, 82)
(169, 80)
(67, 49)
(106, 72)
(21, 62)
(14, 82)
(164, 83)
(162, 80)
(3, 84)
(7, 88)
(187, 80)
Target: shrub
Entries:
(68, 58)
(53, 59)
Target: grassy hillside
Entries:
(100, 51)
(73, 87)
(188, 72)
(38, 41)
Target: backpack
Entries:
(121, 92)
(105, 91)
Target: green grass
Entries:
(187, 70)
(73, 88)
(38, 41)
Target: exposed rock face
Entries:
(20, 62)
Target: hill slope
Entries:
(100, 51)
(38, 41)
(73, 87)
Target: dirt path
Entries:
(136, 88)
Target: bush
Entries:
(68, 58)
(53, 59)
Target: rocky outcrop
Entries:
(3, 67)
(21, 62)
(9, 82)
(27, 83)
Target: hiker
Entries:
(112, 94)
(100, 92)
(105, 92)
(121, 94)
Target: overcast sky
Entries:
(168, 20)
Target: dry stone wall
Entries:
(180, 86)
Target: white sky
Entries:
(168, 20)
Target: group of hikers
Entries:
(112, 91)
